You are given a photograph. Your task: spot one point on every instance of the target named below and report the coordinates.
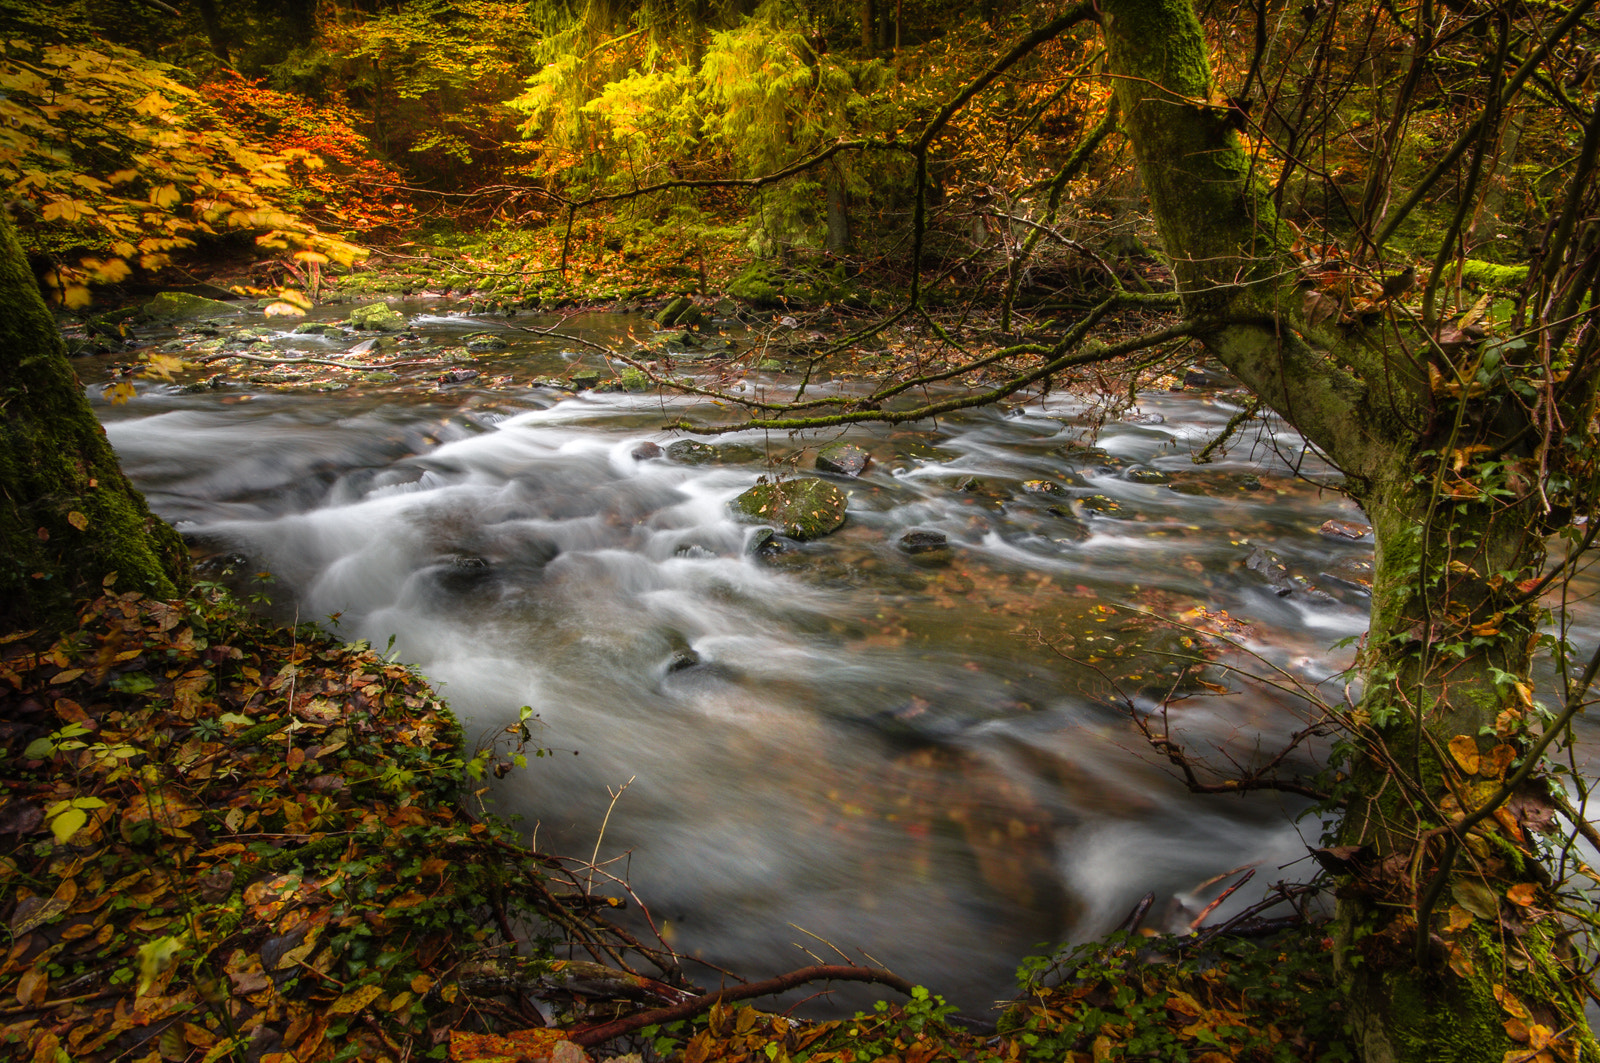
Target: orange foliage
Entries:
(349, 189)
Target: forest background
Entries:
(1382, 221)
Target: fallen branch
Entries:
(596, 1035)
(365, 368)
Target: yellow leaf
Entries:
(110, 271)
(289, 295)
(118, 393)
(314, 257)
(163, 365)
(1513, 1006)
(421, 984)
(77, 520)
(32, 987)
(1460, 918)
(355, 1000)
(1465, 751)
(283, 309)
(165, 196)
(75, 297)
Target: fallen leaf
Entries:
(1465, 751)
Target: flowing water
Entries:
(922, 758)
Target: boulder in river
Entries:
(846, 459)
(377, 317)
(680, 312)
(176, 308)
(479, 342)
(691, 452)
(801, 509)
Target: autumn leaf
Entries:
(78, 520)
(1465, 751)
(1522, 893)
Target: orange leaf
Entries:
(1522, 893)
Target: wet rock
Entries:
(634, 380)
(585, 378)
(457, 376)
(377, 317)
(171, 308)
(1352, 530)
(802, 509)
(764, 543)
(379, 378)
(1102, 504)
(1265, 563)
(692, 452)
(1145, 475)
(645, 451)
(923, 542)
(478, 342)
(694, 552)
(684, 658)
(319, 328)
(1352, 572)
(1044, 487)
(1143, 418)
(1198, 376)
(846, 459)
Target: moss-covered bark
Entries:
(1450, 483)
(69, 518)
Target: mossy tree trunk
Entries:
(69, 518)
(1445, 923)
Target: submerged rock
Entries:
(485, 341)
(377, 317)
(923, 542)
(801, 509)
(179, 307)
(645, 451)
(846, 459)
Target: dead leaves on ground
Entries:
(228, 840)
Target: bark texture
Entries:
(69, 518)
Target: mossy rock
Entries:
(319, 328)
(759, 287)
(634, 380)
(173, 308)
(486, 341)
(801, 509)
(692, 452)
(680, 313)
(377, 317)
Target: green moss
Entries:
(1478, 274)
(802, 509)
(69, 520)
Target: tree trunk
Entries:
(70, 522)
(1450, 483)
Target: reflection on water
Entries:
(919, 756)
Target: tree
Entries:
(1467, 457)
(70, 522)
(1470, 449)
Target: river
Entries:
(925, 759)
